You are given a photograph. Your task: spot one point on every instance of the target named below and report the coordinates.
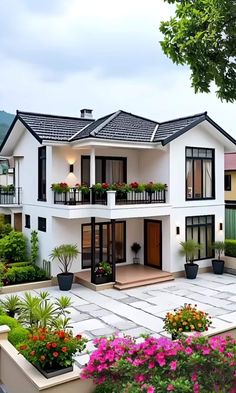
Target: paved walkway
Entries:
(141, 310)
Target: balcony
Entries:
(10, 195)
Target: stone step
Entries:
(153, 276)
(141, 283)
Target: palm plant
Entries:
(189, 248)
(10, 305)
(219, 247)
(65, 254)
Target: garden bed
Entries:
(25, 286)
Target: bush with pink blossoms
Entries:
(192, 365)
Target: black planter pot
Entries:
(218, 266)
(65, 281)
(102, 280)
(191, 270)
(52, 372)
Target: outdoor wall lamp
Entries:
(71, 168)
(221, 226)
(177, 230)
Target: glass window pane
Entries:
(189, 179)
(197, 179)
(189, 220)
(114, 171)
(207, 179)
(86, 246)
(202, 219)
(210, 251)
(209, 153)
(203, 242)
(189, 234)
(209, 219)
(189, 152)
(195, 220)
(98, 170)
(195, 238)
(85, 175)
(202, 153)
(195, 153)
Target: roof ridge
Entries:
(103, 124)
(18, 113)
(140, 117)
(154, 133)
(77, 133)
(184, 117)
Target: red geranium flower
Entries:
(64, 349)
(42, 357)
(23, 347)
(48, 345)
(78, 336)
(55, 354)
(32, 353)
(54, 345)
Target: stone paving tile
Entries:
(114, 294)
(222, 279)
(219, 323)
(223, 295)
(141, 305)
(81, 317)
(231, 307)
(129, 300)
(117, 322)
(230, 317)
(107, 331)
(229, 288)
(216, 312)
(89, 324)
(81, 360)
(232, 299)
(209, 300)
(88, 307)
(99, 313)
(136, 332)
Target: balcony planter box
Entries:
(218, 266)
(65, 281)
(191, 270)
(50, 373)
(102, 279)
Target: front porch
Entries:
(128, 276)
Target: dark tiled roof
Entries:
(51, 127)
(90, 128)
(169, 128)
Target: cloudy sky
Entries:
(58, 56)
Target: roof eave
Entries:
(185, 129)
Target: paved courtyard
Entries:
(141, 310)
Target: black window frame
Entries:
(42, 174)
(42, 224)
(202, 159)
(27, 221)
(228, 183)
(199, 225)
(100, 231)
(104, 159)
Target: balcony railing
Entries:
(11, 196)
(76, 197)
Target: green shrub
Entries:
(11, 322)
(17, 275)
(230, 247)
(5, 229)
(18, 264)
(13, 247)
(18, 335)
(34, 241)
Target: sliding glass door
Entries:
(107, 170)
(103, 243)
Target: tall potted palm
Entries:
(218, 264)
(189, 249)
(65, 254)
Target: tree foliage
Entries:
(202, 35)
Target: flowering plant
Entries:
(151, 187)
(186, 319)
(84, 188)
(101, 187)
(60, 187)
(51, 349)
(103, 269)
(120, 364)
(135, 186)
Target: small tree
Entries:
(189, 249)
(34, 241)
(219, 248)
(65, 254)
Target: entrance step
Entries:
(141, 276)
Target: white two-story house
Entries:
(186, 154)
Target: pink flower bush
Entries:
(121, 365)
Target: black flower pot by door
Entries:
(65, 281)
(218, 266)
(102, 280)
(191, 270)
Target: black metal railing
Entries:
(10, 196)
(77, 197)
(134, 197)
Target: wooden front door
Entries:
(153, 243)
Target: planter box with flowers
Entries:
(103, 273)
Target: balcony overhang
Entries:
(95, 142)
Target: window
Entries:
(7, 219)
(42, 173)
(27, 221)
(201, 229)
(103, 243)
(227, 182)
(107, 169)
(42, 224)
(200, 173)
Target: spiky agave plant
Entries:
(189, 249)
(65, 254)
(10, 305)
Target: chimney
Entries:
(86, 113)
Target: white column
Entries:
(92, 166)
(111, 199)
(49, 174)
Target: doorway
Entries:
(153, 243)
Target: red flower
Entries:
(54, 345)
(61, 334)
(32, 353)
(42, 357)
(66, 339)
(105, 186)
(78, 336)
(64, 349)
(48, 345)
(134, 184)
(42, 337)
(23, 347)
(55, 354)
(35, 338)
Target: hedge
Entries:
(230, 247)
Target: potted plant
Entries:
(60, 187)
(10, 305)
(218, 264)
(189, 249)
(187, 318)
(65, 254)
(103, 272)
(136, 248)
(52, 351)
